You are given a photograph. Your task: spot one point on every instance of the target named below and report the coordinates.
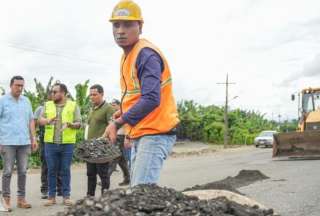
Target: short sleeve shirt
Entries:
(98, 120)
(15, 117)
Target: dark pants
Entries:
(44, 173)
(122, 161)
(59, 158)
(93, 170)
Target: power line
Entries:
(51, 53)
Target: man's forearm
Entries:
(42, 121)
(32, 130)
(150, 67)
(77, 125)
(140, 110)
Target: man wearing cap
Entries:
(148, 109)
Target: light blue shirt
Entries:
(15, 117)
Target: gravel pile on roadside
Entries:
(244, 178)
(144, 200)
(214, 186)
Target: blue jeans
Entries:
(147, 156)
(59, 158)
(127, 155)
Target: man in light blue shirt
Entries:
(17, 138)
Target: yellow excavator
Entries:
(305, 142)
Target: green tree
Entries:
(83, 102)
(206, 123)
(82, 98)
(41, 93)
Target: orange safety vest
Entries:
(163, 118)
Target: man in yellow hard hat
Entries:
(148, 109)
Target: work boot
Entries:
(6, 203)
(50, 202)
(22, 203)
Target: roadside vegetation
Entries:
(206, 124)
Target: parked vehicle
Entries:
(265, 138)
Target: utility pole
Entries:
(279, 121)
(299, 100)
(226, 126)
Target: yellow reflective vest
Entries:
(68, 134)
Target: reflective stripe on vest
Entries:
(163, 118)
(67, 115)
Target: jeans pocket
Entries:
(170, 141)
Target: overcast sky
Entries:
(269, 48)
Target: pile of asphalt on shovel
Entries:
(97, 151)
(145, 200)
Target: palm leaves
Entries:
(41, 93)
(82, 98)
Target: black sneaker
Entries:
(44, 195)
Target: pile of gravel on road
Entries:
(144, 200)
(244, 178)
(97, 151)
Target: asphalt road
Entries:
(292, 190)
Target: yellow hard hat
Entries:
(126, 10)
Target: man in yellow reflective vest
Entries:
(44, 168)
(61, 118)
(148, 109)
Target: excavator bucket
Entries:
(299, 145)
